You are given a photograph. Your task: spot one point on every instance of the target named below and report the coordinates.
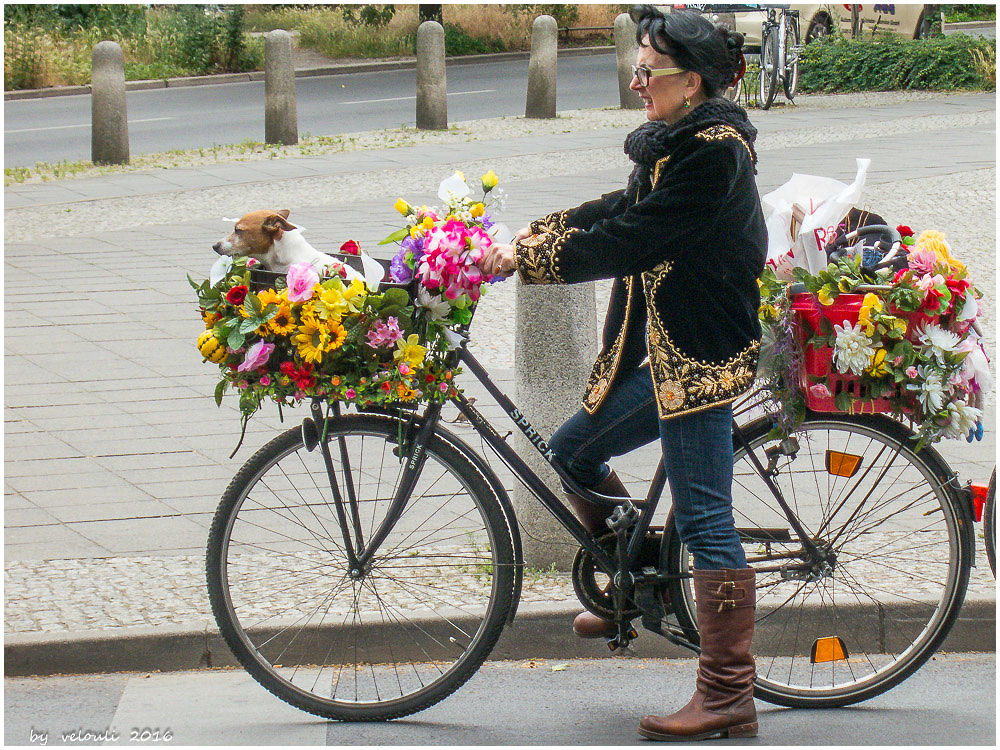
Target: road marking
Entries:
(86, 125)
(407, 98)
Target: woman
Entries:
(684, 243)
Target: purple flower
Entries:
(301, 278)
(486, 221)
(384, 333)
(414, 245)
(401, 272)
(256, 356)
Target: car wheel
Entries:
(819, 27)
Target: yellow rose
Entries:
(403, 207)
(477, 210)
(933, 240)
(489, 181)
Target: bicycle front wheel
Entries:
(767, 86)
(790, 80)
(416, 622)
(897, 558)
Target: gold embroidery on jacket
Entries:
(720, 133)
(554, 222)
(683, 384)
(606, 366)
(536, 258)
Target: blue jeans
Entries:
(697, 457)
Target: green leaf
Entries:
(399, 234)
(252, 302)
(248, 325)
(195, 286)
(220, 389)
(235, 339)
(843, 402)
(396, 296)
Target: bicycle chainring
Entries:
(595, 589)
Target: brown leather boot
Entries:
(723, 701)
(587, 624)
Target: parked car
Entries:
(820, 19)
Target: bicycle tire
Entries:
(789, 627)
(791, 77)
(990, 522)
(767, 86)
(403, 637)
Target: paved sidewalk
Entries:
(115, 454)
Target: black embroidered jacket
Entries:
(685, 255)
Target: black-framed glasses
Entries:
(643, 74)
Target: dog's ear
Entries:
(277, 223)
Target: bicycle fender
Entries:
(505, 505)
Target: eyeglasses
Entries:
(643, 74)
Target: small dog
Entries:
(278, 244)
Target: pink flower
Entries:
(265, 380)
(911, 372)
(251, 262)
(299, 395)
(443, 388)
(404, 369)
(350, 393)
(301, 279)
(384, 334)
(243, 385)
(256, 356)
(819, 390)
(897, 361)
(922, 261)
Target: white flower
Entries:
(963, 418)
(438, 307)
(939, 341)
(932, 391)
(970, 309)
(453, 188)
(976, 365)
(853, 350)
(219, 269)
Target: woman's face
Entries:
(664, 96)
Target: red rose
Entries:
(306, 381)
(904, 231)
(343, 272)
(237, 294)
(386, 386)
(288, 368)
(429, 378)
(350, 248)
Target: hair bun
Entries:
(734, 40)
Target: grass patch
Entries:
(888, 63)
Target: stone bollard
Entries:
(281, 120)
(555, 343)
(625, 49)
(432, 80)
(108, 118)
(541, 102)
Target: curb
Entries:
(258, 75)
(538, 632)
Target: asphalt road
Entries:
(58, 128)
(950, 701)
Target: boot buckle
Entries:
(727, 604)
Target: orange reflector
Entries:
(828, 649)
(842, 464)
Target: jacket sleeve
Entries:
(583, 216)
(677, 215)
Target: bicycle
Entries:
(779, 54)
(362, 567)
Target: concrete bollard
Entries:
(625, 50)
(281, 120)
(555, 343)
(109, 120)
(432, 80)
(541, 102)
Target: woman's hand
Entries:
(498, 260)
(522, 234)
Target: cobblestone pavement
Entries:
(114, 454)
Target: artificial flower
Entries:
(237, 294)
(871, 302)
(282, 323)
(820, 390)
(931, 391)
(311, 340)
(409, 350)
(350, 248)
(877, 367)
(961, 418)
(938, 342)
(921, 262)
(331, 305)
(489, 181)
(477, 210)
(824, 296)
(853, 350)
(256, 356)
(337, 336)
(384, 333)
(301, 279)
(403, 207)
(933, 240)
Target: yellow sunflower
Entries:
(269, 297)
(311, 340)
(283, 323)
(336, 335)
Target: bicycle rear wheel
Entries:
(990, 522)
(767, 86)
(405, 634)
(899, 566)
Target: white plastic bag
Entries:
(822, 203)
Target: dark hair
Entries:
(694, 43)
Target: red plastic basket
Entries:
(818, 361)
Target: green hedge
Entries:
(889, 62)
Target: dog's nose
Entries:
(217, 247)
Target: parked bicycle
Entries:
(779, 54)
(362, 566)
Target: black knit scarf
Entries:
(653, 140)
